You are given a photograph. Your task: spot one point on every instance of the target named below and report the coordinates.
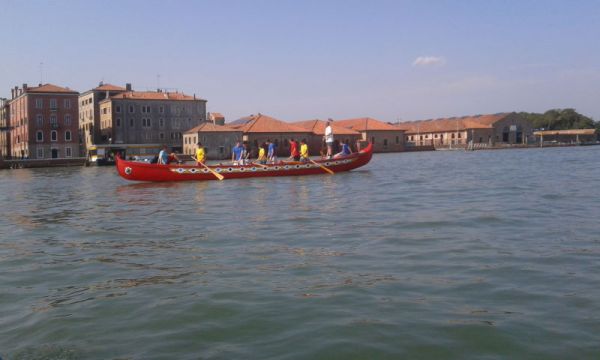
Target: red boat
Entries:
(140, 171)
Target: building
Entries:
(218, 140)
(383, 136)
(89, 112)
(340, 134)
(571, 136)
(479, 130)
(44, 122)
(216, 118)
(4, 129)
(149, 117)
(259, 128)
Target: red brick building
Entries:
(385, 137)
(44, 122)
(340, 134)
(4, 129)
(259, 128)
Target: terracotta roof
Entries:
(265, 124)
(50, 88)
(109, 87)
(565, 132)
(318, 127)
(210, 127)
(451, 124)
(153, 95)
(365, 124)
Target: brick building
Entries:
(340, 134)
(89, 112)
(149, 117)
(483, 130)
(44, 122)
(4, 129)
(218, 140)
(260, 128)
(385, 137)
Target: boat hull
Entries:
(139, 171)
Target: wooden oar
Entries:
(321, 166)
(216, 174)
(261, 165)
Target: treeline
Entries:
(561, 119)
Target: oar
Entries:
(216, 174)
(321, 166)
(261, 165)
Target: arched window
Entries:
(68, 135)
(53, 135)
(39, 136)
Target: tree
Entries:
(560, 119)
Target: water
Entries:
(472, 255)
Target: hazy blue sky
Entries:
(297, 60)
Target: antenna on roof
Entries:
(157, 82)
(41, 73)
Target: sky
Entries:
(298, 60)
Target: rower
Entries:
(304, 156)
(262, 158)
(236, 154)
(294, 153)
(272, 152)
(345, 150)
(200, 154)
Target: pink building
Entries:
(44, 122)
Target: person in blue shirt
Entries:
(163, 155)
(345, 150)
(272, 152)
(236, 154)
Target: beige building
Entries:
(383, 136)
(89, 113)
(218, 140)
(148, 117)
(479, 130)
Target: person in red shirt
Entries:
(294, 152)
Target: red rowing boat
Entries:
(140, 171)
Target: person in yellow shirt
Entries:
(303, 151)
(200, 154)
(262, 156)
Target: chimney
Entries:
(128, 87)
(24, 87)
(12, 93)
(39, 84)
(194, 96)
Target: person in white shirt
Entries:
(329, 139)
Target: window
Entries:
(118, 109)
(131, 109)
(146, 122)
(68, 135)
(53, 104)
(118, 122)
(53, 120)
(104, 111)
(397, 139)
(39, 136)
(459, 135)
(40, 152)
(130, 122)
(161, 122)
(453, 135)
(18, 139)
(161, 109)
(161, 136)
(40, 120)
(53, 135)
(384, 142)
(372, 139)
(68, 152)
(67, 103)
(67, 119)
(39, 103)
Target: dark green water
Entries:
(470, 255)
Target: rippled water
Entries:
(473, 255)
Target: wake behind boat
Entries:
(140, 171)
